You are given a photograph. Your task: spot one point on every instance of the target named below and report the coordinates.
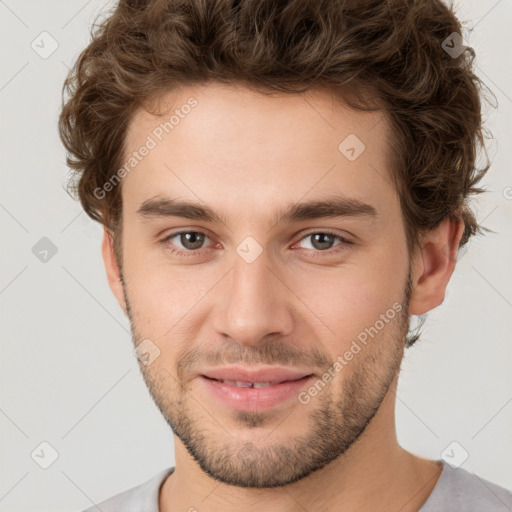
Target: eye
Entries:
(322, 241)
(191, 241)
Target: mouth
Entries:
(256, 394)
(257, 385)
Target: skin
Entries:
(247, 155)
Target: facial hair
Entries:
(338, 416)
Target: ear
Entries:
(434, 264)
(112, 268)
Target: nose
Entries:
(252, 303)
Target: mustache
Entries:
(268, 353)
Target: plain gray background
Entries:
(68, 374)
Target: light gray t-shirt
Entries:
(457, 490)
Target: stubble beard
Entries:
(336, 418)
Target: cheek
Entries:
(165, 299)
(351, 299)
(158, 292)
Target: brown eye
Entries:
(185, 242)
(191, 240)
(323, 244)
(321, 241)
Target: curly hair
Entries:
(386, 55)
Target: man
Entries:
(281, 184)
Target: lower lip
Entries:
(255, 399)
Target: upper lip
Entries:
(274, 374)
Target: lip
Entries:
(272, 374)
(290, 383)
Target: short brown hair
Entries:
(390, 53)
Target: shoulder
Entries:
(142, 498)
(462, 490)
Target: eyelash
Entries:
(314, 253)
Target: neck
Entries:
(375, 473)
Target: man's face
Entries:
(249, 291)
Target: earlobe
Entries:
(434, 265)
(112, 268)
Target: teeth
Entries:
(241, 384)
(238, 383)
(262, 384)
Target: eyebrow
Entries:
(332, 207)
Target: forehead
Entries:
(231, 146)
